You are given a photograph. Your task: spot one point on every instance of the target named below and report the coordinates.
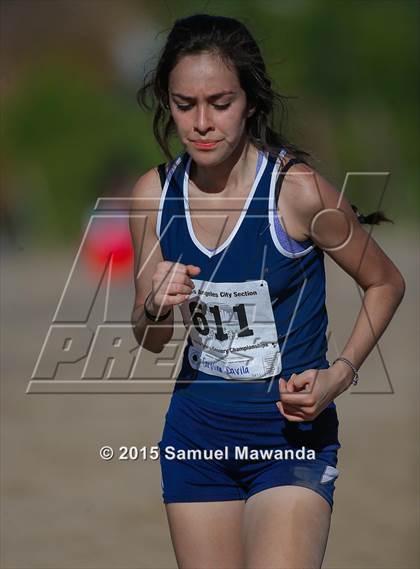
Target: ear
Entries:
(250, 111)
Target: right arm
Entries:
(162, 283)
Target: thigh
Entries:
(206, 535)
(286, 528)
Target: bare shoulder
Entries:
(144, 208)
(147, 190)
(302, 185)
(304, 193)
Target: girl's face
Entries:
(209, 107)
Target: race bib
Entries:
(232, 330)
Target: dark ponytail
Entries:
(374, 218)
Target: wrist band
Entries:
(355, 379)
(151, 316)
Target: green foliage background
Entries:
(350, 67)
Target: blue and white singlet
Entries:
(257, 312)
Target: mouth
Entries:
(206, 144)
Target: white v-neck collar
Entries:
(235, 230)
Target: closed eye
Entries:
(188, 107)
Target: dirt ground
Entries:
(63, 507)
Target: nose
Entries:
(203, 122)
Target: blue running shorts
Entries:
(215, 452)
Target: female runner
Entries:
(249, 447)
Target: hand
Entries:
(171, 285)
(308, 393)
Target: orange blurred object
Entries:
(109, 236)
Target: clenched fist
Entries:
(171, 285)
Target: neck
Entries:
(235, 172)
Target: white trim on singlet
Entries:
(235, 230)
(272, 210)
(169, 175)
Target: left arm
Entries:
(332, 225)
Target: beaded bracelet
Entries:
(151, 316)
(355, 379)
